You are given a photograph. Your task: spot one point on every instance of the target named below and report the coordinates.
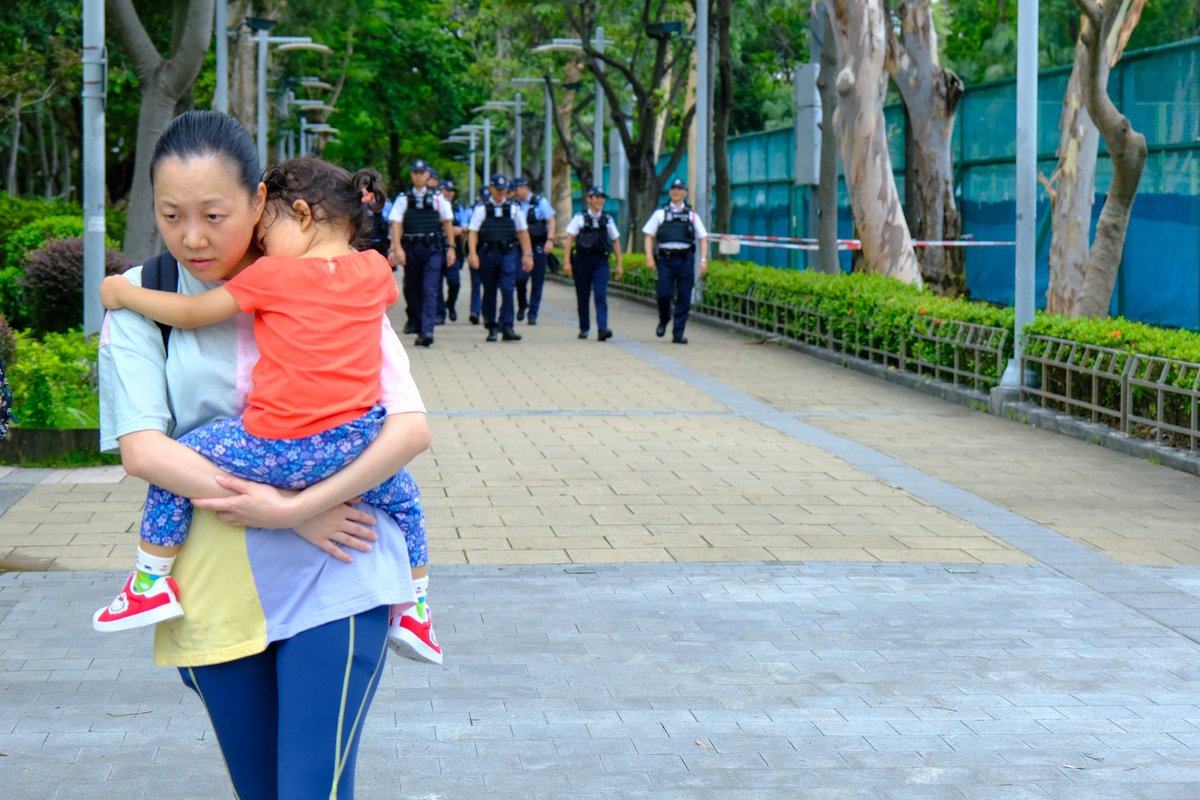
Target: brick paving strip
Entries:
(906, 599)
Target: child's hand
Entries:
(111, 290)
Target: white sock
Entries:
(420, 588)
(154, 565)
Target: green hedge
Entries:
(54, 381)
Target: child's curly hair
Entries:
(333, 194)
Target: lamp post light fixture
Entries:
(486, 127)
(310, 129)
(576, 46)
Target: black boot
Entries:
(509, 335)
(491, 337)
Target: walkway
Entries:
(723, 570)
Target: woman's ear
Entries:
(259, 202)
(303, 214)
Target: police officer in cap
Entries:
(496, 230)
(453, 278)
(422, 233)
(435, 181)
(672, 235)
(594, 237)
(539, 217)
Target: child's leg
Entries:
(411, 631)
(149, 596)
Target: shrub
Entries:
(16, 212)
(54, 381)
(32, 235)
(53, 284)
(8, 342)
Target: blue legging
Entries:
(289, 719)
(289, 464)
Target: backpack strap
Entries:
(161, 273)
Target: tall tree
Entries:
(1089, 294)
(163, 82)
(931, 94)
(859, 29)
(723, 110)
(642, 73)
(827, 194)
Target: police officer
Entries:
(421, 233)
(476, 277)
(594, 237)
(496, 230)
(539, 217)
(675, 229)
(435, 181)
(453, 278)
(379, 223)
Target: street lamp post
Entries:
(471, 130)
(221, 26)
(504, 105)
(547, 135)
(261, 27)
(576, 46)
(94, 90)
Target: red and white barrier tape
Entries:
(809, 243)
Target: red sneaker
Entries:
(411, 638)
(134, 609)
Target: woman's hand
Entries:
(340, 526)
(256, 505)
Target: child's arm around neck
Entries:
(170, 308)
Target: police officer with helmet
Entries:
(539, 217)
(672, 235)
(496, 230)
(421, 235)
(591, 238)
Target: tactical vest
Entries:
(539, 231)
(497, 229)
(421, 216)
(676, 227)
(593, 235)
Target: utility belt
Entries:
(413, 238)
(492, 247)
(539, 242)
(675, 252)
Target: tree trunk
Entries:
(860, 30)
(562, 164)
(1072, 190)
(827, 194)
(723, 109)
(39, 133)
(10, 182)
(163, 82)
(1126, 149)
(243, 81)
(931, 96)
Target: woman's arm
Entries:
(157, 458)
(171, 308)
(402, 438)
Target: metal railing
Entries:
(1145, 396)
(960, 353)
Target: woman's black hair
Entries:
(209, 133)
(332, 193)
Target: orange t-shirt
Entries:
(316, 323)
